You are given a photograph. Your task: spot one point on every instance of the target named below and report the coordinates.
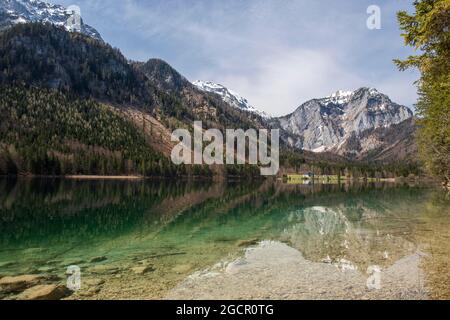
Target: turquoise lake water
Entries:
(264, 239)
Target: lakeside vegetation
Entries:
(330, 179)
(428, 32)
(295, 163)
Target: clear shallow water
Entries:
(160, 239)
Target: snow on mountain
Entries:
(339, 97)
(13, 12)
(229, 96)
(341, 122)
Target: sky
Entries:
(276, 53)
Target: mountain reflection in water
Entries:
(261, 239)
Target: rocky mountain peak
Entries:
(340, 97)
(229, 96)
(328, 124)
(14, 12)
(164, 76)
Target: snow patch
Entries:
(26, 11)
(229, 96)
(339, 97)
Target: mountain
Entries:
(70, 104)
(334, 122)
(73, 105)
(43, 55)
(166, 78)
(229, 96)
(190, 103)
(94, 80)
(393, 144)
(14, 12)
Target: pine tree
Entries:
(428, 31)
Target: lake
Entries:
(151, 239)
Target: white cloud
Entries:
(278, 54)
(400, 87)
(284, 79)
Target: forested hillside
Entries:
(46, 56)
(47, 132)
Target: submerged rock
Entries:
(98, 259)
(182, 268)
(45, 292)
(103, 269)
(46, 269)
(142, 269)
(93, 282)
(19, 283)
(90, 292)
(90, 287)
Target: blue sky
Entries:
(276, 53)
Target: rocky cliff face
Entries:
(14, 12)
(393, 144)
(332, 123)
(360, 125)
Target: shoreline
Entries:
(98, 177)
(294, 178)
(102, 177)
